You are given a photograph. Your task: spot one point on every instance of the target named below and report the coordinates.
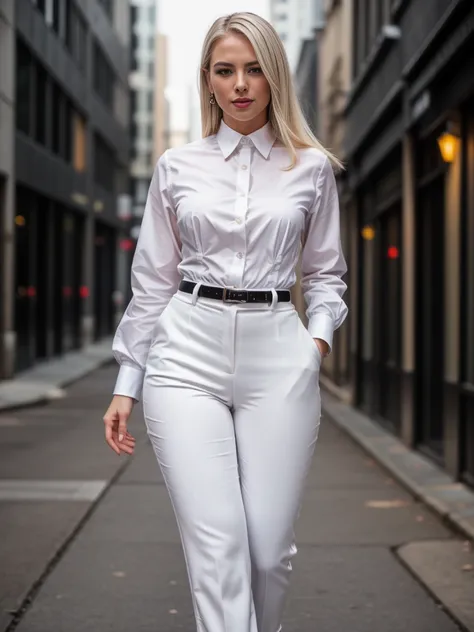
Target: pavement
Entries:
(89, 540)
(47, 380)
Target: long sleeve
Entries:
(154, 279)
(323, 264)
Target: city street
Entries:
(89, 540)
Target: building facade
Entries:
(334, 77)
(142, 112)
(295, 21)
(409, 142)
(64, 164)
(162, 109)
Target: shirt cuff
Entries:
(321, 326)
(129, 382)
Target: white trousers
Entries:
(232, 408)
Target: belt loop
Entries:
(195, 291)
(274, 298)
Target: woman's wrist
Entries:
(322, 346)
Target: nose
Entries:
(240, 82)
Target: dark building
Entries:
(142, 110)
(410, 143)
(60, 201)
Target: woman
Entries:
(230, 374)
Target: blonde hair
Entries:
(285, 113)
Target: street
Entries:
(89, 538)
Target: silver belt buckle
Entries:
(232, 300)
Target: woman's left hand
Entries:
(322, 346)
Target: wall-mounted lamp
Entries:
(448, 142)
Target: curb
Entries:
(451, 500)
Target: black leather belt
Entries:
(229, 295)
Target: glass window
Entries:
(40, 105)
(56, 17)
(152, 16)
(141, 191)
(23, 88)
(67, 130)
(55, 117)
(79, 146)
(76, 35)
(104, 77)
(104, 164)
(150, 100)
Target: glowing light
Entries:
(448, 145)
(126, 244)
(20, 220)
(393, 252)
(368, 233)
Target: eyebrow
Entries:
(229, 65)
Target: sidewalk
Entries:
(46, 380)
(115, 562)
(358, 533)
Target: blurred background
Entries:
(93, 91)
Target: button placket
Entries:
(240, 210)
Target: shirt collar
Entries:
(228, 139)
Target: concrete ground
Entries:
(89, 540)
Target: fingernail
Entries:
(120, 437)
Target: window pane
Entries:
(104, 77)
(55, 114)
(40, 105)
(104, 164)
(65, 129)
(76, 35)
(23, 88)
(79, 159)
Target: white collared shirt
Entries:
(221, 211)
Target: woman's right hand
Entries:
(115, 420)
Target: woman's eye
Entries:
(226, 71)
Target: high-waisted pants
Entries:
(232, 408)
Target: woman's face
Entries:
(235, 74)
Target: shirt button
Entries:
(238, 220)
(244, 167)
(240, 255)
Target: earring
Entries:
(212, 101)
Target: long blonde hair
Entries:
(285, 113)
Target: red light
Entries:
(31, 292)
(126, 244)
(83, 291)
(393, 252)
